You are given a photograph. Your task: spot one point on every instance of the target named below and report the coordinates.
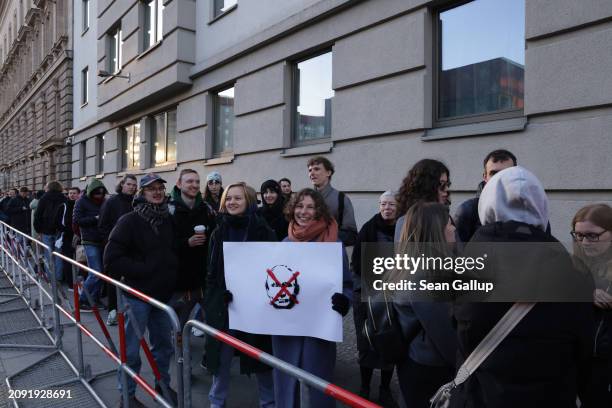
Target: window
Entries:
(85, 15)
(223, 122)
(100, 154)
(114, 52)
(313, 95)
(131, 147)
(481, 61)
(153, 22)
(163, 137)
(84, 85)
(221, 6)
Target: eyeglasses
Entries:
(589, 236)
(211, 182)
(444, 184)
(156, 190)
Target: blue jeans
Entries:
(160, 340)
(49, 240)
(220, 385)
(93, 284)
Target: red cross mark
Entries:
(283, 287)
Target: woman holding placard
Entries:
(310, 221)
(237, 223)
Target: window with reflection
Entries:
(221, 6)
(163, 137)
(114, 50)
(101, 154)
(313, 99)
(153, 22)
(131, 147)
(481, 61)
(85, 15)
(223, 137)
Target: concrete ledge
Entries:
(219, 160)
(476, 129)
(308, 150)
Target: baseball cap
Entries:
(150, 178)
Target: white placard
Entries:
(253, 272)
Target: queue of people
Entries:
(169, 245)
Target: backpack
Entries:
(340, 208)
(382, 330)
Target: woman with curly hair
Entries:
(310, 221)
(429, 181)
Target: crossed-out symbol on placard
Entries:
(283, 286)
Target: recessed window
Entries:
(84, 85)
(153, 22)
(313, 95)
(480, 61)
(82, 159)
(163, 137)
(85, 14)
(221, 6)
(131, 147)
(114, 50)
(223, 137)
(100, 154)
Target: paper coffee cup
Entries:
(199, 229)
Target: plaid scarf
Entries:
(152, 213)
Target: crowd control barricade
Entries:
(23, 260)
(111, 350)
(304, 377)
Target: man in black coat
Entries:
(18, 210)
(46, 220)
(466, 217)
(65, 225)
(141, 248)
(188, 211)
(112, 209)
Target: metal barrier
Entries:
(303, 376)
(121, 360)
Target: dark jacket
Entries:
(275, 219)
(18, 210)
(374, 230)
(112, 209)
(65, 225)
(192, 261)
(86, 214)
(466, 217)
(46, 215)
(216, 310)
(147, 260)
(545, 358)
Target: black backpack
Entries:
(382, 330)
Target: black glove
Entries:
(340, 303)
(227, 297)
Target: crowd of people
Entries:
(169, 245)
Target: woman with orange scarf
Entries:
(310, 221)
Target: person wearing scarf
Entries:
(142, 249)
(380, 228)
(273, 203)
(237, 223)
(310, 221)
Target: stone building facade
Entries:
(35, 92)
(224, 85)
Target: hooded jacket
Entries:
(273, 214)
(544, 360)
(192, 260)
(47, 213)
(86, 214)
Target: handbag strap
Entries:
(498, 333)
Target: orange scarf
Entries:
(318, 231)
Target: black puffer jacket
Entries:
(543, 361)
(192, 261)
(86, 215)
(18, 210)
(147, 260)
(216, 310)
(47, 213)
(112, 209)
